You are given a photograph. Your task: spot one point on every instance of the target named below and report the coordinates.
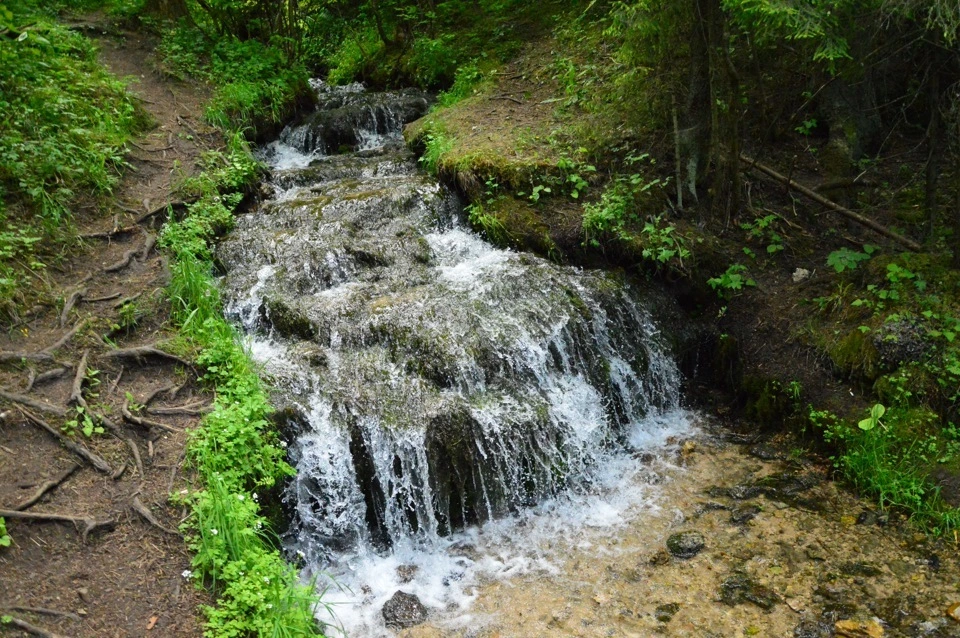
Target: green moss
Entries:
(766, 401)
(855, 356)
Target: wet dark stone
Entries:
(744, 492)
(818, 628)
(739, 589)
(867, 517)
(403, 610)
(859, 568)
(949, 484)
(895, 610)
(766, 452)
(899, 341)
(744, 514)
(667, 611)
(405, 573)
(933, 562)
(685, 544)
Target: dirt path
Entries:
(124, 578)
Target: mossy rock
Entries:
(856, 357)
(766, 402)
(289, 321)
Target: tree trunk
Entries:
(696, 119)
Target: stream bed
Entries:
(463, 419)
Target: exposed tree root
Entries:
(33, 403)
(9, 357)
(126, 300)
(33, 629)
(155, 393)
(191, 409)
(76, 393)
(89, 523)
(44, 377)
(46, 487)
(136, 454)
(148, 244)
(123, 263)
(148, 516)
(42, 610)
(161, 209)
(115, 383)
(125, 230)
(120, 470)
(142, 422)
(65, 338)
(96, 461)
(142, 352)
(105, 298)
(68, 305)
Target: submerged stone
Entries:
(739, 589)
(686, 544)
(667, 611)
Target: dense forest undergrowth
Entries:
(625, 134)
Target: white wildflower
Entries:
(187, 573)
(266, 579)
(214, 532)
(239, 497)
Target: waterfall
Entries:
(434, 381)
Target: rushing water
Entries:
(457, 408)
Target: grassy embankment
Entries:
(65, 125)
(565, 145)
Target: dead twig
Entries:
(97, 462)
(148, 516)
(142, 352)
(116, 382)
(89, 523)
(33, 629)
(46, 487)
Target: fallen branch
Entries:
(32, 403)
(89, 523)
(68, 305)
(32, 629)
(46, 487)
(123, 263)
(97, 462)
(142, 422)
(148, 516)
(846, 212)
(141, 352)
(65, 338)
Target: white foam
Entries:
(449, 571)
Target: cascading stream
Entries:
(431, 380)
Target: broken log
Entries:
(837, 208)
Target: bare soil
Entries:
(124, 578)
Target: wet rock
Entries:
(858, 629)
(685, 544)
(949, 484)
(744, 492)
(953, 611)
(899, 341)
(859, 568)
(766, 452)
(895, 610)
(739, 589)
(811, 628)
(406, 573)
(742, 515)
(403, 610)
(667, 611)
